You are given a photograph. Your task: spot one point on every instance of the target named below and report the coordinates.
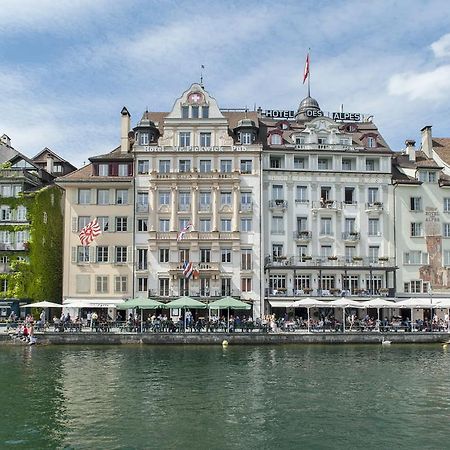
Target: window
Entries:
(205, 139)
(142, 284)
(446, 231)
(142, 224)
(205, 255)
(246, 224)
(416, 229)
(142, 259)
(447, 204)
(121, 254)
(225, 225)
(415, 203)
(300, 140)
(246, 284)
(3, 285)
(301, 194)
(21, 213)
(246, 138)
(225, 286)
(164, 166)
(143, 166)
(164, 255)
(204, 201)
(427, 176)
(102, 254)
(302, 224)
(345, 141)
(325, 226)
(350, 253)
(184, 201)
(183, 223)
(164, 225)
(225, 255)
(121, 224)
(415, 257)
(325, 251)
(194, 112)
(246, 259)
(205, 165)
(277, 192)
(275, 139)
(446, 258)
(374, 227)
(302, 282)
(225, 165)
(184, 165)
(374, 251)
(225, 198)
(82, 222)
(103, 221)
(246, 166)
(84, 196)
(349, 195)
(103, 196)
(322, 140)
(184, 255)
(324, 164)
(164, 198)
(82, 254)
(349, 225)
(277, 283)
(185, 112)
(371, 142)
(123, 170)
(346, 164)
(277, 225)
(246, 200)
(143, 138)
(370, 165)
(142, 201)
(205, 112)
(83, 284)
(163, 287)
(121, 196)
(121, 284)
(103, 170)
(299, 163)
(277, 250)
(185, 139)
(101, 284)
(205, 225)
(372, 195)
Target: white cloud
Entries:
(441, 47)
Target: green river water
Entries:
(207, 397)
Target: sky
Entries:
(68, 67)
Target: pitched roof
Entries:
(442, 147)
(114, 155)
(55, 155)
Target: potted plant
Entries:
(357, 258)
(383, 258)
(332, 258)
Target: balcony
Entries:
(278, 205)
(376, 207)
(204, 208)
(208, 176)
(211, 268)
(302, 235)
(351, 236)
(246, 207)
(332, 205)
(339, 262)
(184, 208)
(141, 208)
(19, 246)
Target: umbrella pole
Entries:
(307, 310)
(184, 319)
(228, 327)
(343, 319)
(412, 319)
(141, 318)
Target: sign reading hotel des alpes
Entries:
(288, 114)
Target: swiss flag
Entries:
(306, 71)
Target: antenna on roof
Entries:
(246, 110)
(201, 76)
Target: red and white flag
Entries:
(306, 71)
(90, 232)
(188, 269)
(181, 234)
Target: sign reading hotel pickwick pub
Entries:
(338, 116)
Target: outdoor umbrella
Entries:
(141, 303)
(419, 303)
(346, 303)
(307, 303)
(183, 303)
(227, 303)
(378, 303)
(44, 304)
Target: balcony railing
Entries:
(278, 204)
(141, 208)
(204, 208)
(327, 204)
(374, 206)
(246, 207)
(351, 236)
(333, 261)
(194, 175)
(184, 207)
(20, 246)
(302, 235)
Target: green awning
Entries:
(228, 302)
(142, 303)
(185, 302)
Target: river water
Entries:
(207, 397)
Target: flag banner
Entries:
(186, 229)
(306, 71)
(188, 268)
(195, 273)
(89, 232)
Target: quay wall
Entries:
(88, 338)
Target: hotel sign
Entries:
(312, 113)
(193, 148)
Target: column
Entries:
(215, 192)
(173, 209)
(194, 207)
(235, 219)
(152, 202)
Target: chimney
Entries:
(411, 149)
(427, 143)
(49, 166)
(5, 140)
(125, 128)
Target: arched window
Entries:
(275, 139)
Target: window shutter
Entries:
(112, 254)
(130, 224)
(130, 169)
(92, 254)
(406, 258)
(74, 196)
(93, 196)
(74, 254)
(74, 224)
(129, 254)
(424, 258)
(95, 169)
(112, 196)
(111, 224)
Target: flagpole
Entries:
(309, 72)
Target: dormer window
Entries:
(427, 176)
(322, 140)
(275, 139)
(195, 111)
(185, 112)
(371, 142)
(246, 138)
(103, 170)
(205, 112)
(143, 138)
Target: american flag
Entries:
(188, 268)
(181, 234)
(89, 232)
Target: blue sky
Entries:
(69, 66)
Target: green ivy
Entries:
(4, 227)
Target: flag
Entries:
(188, 268)
(89, 232)
(195, 273)
(181, 234)
(306, 71)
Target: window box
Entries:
(307, 290)
(332, 258)
(383, 258)
(357, 258)
(306, 258)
